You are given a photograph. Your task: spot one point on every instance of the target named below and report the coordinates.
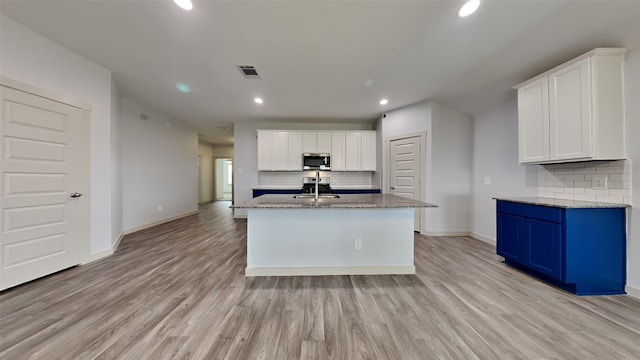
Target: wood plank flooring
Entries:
(177, 291)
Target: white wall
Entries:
(245, 160)
(116, 175)
(446, 161)
(205, 152)
(30, 58)
(451, 158)
(159, 167)
(632, 94)
(495, 155)
(222, 151)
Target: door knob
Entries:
(393, 188)
(75, 195)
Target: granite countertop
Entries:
(562, 203)
(360, 201)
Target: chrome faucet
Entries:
(317, 181)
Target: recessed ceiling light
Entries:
(384, 102)
(258, 100)
(469, 8)
(185, 4)
(183, 87)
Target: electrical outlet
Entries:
(159, 207)
(487, 180)
(357, 244)
(599, 182)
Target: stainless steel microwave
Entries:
(314, 161)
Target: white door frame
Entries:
(386, 179)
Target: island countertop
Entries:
(354, 201)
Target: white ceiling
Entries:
(324, 61)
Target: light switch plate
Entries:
(599, 182)
(487, 180)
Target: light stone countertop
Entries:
(562, 203)
(358, 201)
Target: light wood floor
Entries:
(177, 291)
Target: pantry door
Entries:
(405, 171)
(44, 159)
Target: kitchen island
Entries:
(349, 235)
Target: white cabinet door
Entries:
(295, 151)
(574, 112)
(265, 148)
(338, 151)
(570, 112)
(368, 151)
(353, 150)
(533, 121)
(309, 142)
(324, 143)
(280, 152)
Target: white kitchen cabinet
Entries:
(281, 150)
(265, 148)
(360, 151)
(337, 151)
(574, 112)
(295, 151)
(353, 151)
(273, 150)
(316, 142)
(368, 151)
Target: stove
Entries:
(309, 185)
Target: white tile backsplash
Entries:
(572, 181)
(293, 179)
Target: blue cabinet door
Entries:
(511, 244)
(546, 252)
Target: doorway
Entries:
(224, 179)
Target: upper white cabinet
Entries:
(574, 112)
(316, 142)
(360, 151)
(281, 150)
(338, 151)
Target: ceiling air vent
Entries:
(249, 71)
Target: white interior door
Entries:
(44, 158)
(405, 170)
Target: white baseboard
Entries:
(445, 233)
(152, 224)
(483, 238)
(97, 256)
(633, 291)
(105, 253)
(115, 245)
(329, 270)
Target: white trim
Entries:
(633, 291)
(115, 245)
(483, 238)
(154, 223)
(97, 256)
(329, 270)
(105, 253)
(5, 81)
(445, 233)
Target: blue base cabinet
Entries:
(582, 250)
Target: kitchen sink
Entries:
(310, 196)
